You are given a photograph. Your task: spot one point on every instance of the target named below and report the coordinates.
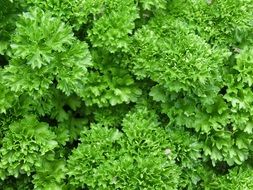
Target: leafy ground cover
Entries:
(126, 95)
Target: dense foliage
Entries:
(134, 94)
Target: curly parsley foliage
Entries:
(109, 83)
(43, 49)
(137, 94)
(135, 158)
(219, 22)
(172, 55)
(113, 28)
(25, 146)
